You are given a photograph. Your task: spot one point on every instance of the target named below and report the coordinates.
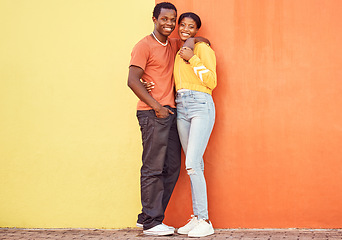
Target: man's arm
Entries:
(202, 39)
(134, 75)
(190, 42)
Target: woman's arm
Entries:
(203, 64)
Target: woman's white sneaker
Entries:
(192, 223)
(159, 230)
(202, 229)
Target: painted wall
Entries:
(274, 158)
(69, 140)
(70, 143)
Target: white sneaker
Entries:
(140, 225)
(202, 229)
(170, 227)
(159, 230)
(192, 223)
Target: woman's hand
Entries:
(186, 53)
(148, 85)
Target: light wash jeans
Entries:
(195, 121)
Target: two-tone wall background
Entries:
(70, 143)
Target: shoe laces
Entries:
(203, 221)
(192, 218)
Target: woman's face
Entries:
(187, 28)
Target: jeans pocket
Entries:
(143, 121)
(163, 121)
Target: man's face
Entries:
(166, 21)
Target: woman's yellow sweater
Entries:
(199, 74)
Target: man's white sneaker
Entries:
(170, 227)
(192, 223)
(159, 230)
(202, 229)
(140, 225)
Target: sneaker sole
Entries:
(166, 233)
(183, 232)
(203, 235)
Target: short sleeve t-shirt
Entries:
(157, 62)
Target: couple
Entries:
(192, 72)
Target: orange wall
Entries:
(274, 158)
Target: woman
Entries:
(195, 78)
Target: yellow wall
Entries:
(70, 143)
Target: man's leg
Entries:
(172, 161)
(155, 137)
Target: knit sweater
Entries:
(199, 74)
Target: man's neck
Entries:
(160, 37)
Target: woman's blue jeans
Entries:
(195, 121)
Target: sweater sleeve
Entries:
(204, 65)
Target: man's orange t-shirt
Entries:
(157, 62)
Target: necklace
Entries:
(164, 44)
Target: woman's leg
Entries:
(183, 125)
(202, 117)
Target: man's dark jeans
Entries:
(161, 164)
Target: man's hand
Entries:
(162, 112)
(202, 39)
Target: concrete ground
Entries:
(135, 233)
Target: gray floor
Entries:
(134, 233)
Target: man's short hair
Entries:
(165, 5)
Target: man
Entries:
(152, 60)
